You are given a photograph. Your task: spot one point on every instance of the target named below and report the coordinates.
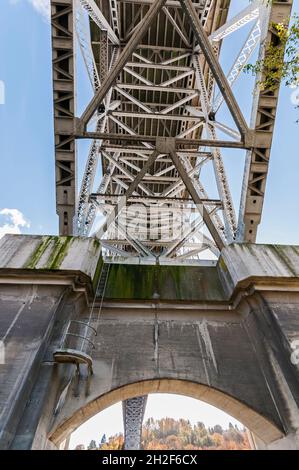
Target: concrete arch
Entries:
(255, 422)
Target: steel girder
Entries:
(64, 112)
(133, 413)
(154, 69)
(263, 121)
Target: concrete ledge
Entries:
(239, 262)
(50, 253)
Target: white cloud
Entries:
(41, 6)
(12, 221)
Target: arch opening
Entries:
(255, 422)
(170, 422)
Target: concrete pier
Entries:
(225, 334)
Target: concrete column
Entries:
(289, 442)
(133, 413)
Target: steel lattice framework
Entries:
(133, 413)
(153, 124)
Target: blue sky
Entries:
(26, 144)
(27, 154)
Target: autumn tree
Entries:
(92, 445)
(171, 434)
(281, 60)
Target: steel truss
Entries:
(153, 123)
(133, 413)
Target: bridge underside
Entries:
(223, 334)
(161, 111)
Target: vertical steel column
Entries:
(64, 111)
(263, 121)
(133, 413)
(103, 56)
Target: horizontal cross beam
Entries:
(256, 139)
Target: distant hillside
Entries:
(171, 434)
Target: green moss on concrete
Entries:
(186, 283)
(37, 254)
(222, 264)
(127, 281)
(296, 250)
(280, 252)
(58, 252)
(96, 243)
(98, 270)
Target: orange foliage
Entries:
(171, 434)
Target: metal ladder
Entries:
(82, 332)
(103, 280)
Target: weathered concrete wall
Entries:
(191, 283)
(223, 350)
(27, 317)
(227, 343)
(43, 282)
